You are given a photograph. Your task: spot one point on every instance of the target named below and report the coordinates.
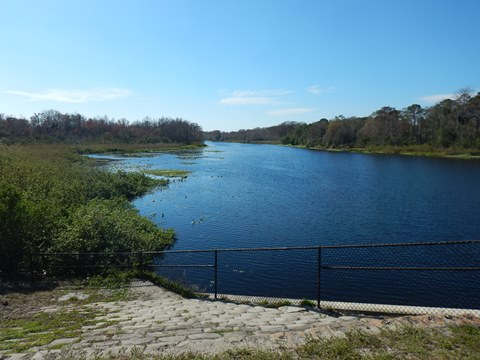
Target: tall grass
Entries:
(52, 199)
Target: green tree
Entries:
(343, 132)
(414, 116)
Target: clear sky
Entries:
(234, 64)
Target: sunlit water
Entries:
(240, 196)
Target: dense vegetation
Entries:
(54, 200)
(53, 127)
(448, 124)
(268, 134)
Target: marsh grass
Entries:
(133, 148)
(168, 172)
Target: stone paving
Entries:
(164, 322)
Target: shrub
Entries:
(12, 221)
(110, 226)
(52, 200)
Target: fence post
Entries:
(140, 261)
(319, 264)
(31, 269)
(216, 273)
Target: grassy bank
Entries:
(54, 200)
(133, 148)
(413, 150)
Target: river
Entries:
(241, 195)
(245, 195)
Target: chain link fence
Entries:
(439, 277)
(415, 278)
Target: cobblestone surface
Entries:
(163, 322)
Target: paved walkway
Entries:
(163, 322)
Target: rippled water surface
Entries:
(263, 195)
(242, 195)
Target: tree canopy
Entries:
(450, 123)
(52, 126)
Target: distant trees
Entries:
(384, 127)
(54, 126)
(450, 123)
(273, 133)
(343, 132)
(414, 116)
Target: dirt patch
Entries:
(21, 301)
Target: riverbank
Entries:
(424, 151)
(144, 321)
(413, 150)
(52, 199)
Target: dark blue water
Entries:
(242, 195)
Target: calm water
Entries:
(242, 195)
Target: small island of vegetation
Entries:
(168, 173)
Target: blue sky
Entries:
(231, 64)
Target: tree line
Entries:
(52, 126)
(272, 133)
(450, 123)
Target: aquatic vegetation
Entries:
(190, 157)
(167, 172)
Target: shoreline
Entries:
(466, 154)
(398, 151)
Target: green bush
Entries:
(25, 225)
(53, 200)
(110, 226)
(12, 226)
(108, 185)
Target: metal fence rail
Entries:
(436, 277)
(439, 277)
